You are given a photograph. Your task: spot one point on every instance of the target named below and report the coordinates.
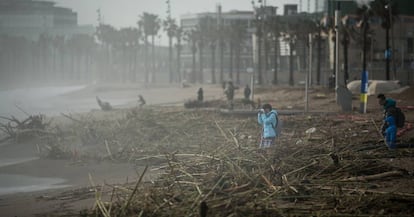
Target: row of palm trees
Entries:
(123, 53)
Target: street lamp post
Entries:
(364, 75)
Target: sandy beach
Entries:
(26, 178)
(32, 185)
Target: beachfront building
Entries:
(40, 42)
(30, 19)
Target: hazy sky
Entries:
(122, 13)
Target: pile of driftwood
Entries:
(209, 166)
(33, 125)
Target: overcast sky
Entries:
(123, 13)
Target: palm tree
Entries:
(150, 25)
(348, 33)
(289, 36)
(364, 13)
(387, 11)
(59, 47)
(306, 27)
(170, 27)
(202, 30)
(191, 38)
(234, 34)
(275, 26)
(132, 37)
(106, 35)
(230, 41)
(179, 36)
(126, 43)
(81, 48)
(238, 32)
(211, 37)
(222, 44)
(321, 27)
(44, 44)
(258, 22)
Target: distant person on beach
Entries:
(389, 126)
(141, 101)
(247, 92)
(229, 91)
(200, 94)
(388, 106)
(268, 119)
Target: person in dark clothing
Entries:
(200, 93)
(229, 91)
(247, 92)
(141, 100)
(389, 128)
(390, 132)
(387, 103)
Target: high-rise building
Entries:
(29, 18)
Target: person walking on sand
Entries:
(268, 119)
(229, 91)
(247, 92)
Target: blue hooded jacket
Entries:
(389, 103)
(269, 123)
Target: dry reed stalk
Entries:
(221, 131)
(128, 202)
(108, 149)
(374, 177)
(98, 201)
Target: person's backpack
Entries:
(398, 116)
(277, 128)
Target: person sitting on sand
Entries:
(200, 96)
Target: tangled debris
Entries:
(209, 164)
(33, 125)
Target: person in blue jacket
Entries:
(387, 103)
(267, 117)
(390, 131)
(388, 106)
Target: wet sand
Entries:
(30, 185)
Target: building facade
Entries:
(30, 19)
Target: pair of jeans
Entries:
(391, 136)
